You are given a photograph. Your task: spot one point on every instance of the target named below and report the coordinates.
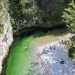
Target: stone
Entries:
(6, 39)
(1, 51)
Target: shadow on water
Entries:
(56, 32)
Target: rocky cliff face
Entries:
(6, 38)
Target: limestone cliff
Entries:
(6, 37)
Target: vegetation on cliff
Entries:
(3, 11)
(1, 16)
(69, 19)
(28, 13)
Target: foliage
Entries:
(25, 13)
(3, 7)
(72, 52)
(52, 10)
(1, 17)
(31, 10)
(69, 18)
(72, 47)
(1, 29)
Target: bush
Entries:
(72, 52)
(1, 29)
(69, 19)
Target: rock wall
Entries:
(6, 38)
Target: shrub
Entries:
(1, 17)
(72, 52)
(69, 19)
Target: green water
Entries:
(20, 57)
(22, 54)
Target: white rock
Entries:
(6, 39)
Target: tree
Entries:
(69, 19)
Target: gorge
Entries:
(26, 25)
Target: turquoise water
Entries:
(20, 57)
